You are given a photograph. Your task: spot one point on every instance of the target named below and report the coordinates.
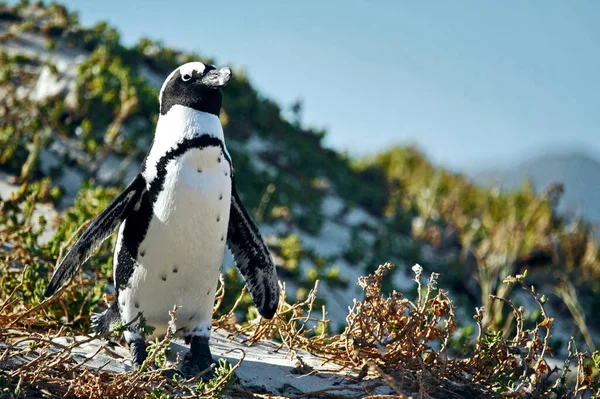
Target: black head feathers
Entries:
(194, 85)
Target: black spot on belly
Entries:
(175, 269)
(208, 292)
(221, 196)
(219, 160)
(163, 277)
(137, 305)
(199, 170)
(218, 218)
(143, 253)
(222, 238)
(226, 173)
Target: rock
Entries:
(332, 206)
(62, 83)
(48, 211)
(266, 367)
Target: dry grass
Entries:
(404, 343)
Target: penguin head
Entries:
(194, 85)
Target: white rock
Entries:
(154, 79)
(331, 206)
(65, 59)
(50, 84)
(113, 166)
(263, 166)
(48, 160)
(277, 229)
(266, 367)
(401, 280)
(358, 216)
(71, 181)
(331, 240)
(46, 210)
(255, 145)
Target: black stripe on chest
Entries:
(138, 221)
(200, 142)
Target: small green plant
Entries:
(143, 327)
(291, 251)
(158, 393)
(118, 330)
(222, 378)
(159, 351)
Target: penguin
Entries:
(175, 220)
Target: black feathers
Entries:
(98, 231)
(102, 323)
(252, 257)
(192, 93)
(134, 232)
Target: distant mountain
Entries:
(577, 170)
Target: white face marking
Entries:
(185, 69)
(190, 67)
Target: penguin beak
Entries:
(217, 78)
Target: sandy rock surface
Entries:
(265, 368)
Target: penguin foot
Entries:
(137, 347)
(198, 359)
(194, 365)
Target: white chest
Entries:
(197, 191)
(181, 256)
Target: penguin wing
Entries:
(252, 257)
(98, 231)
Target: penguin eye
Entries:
(185, 77)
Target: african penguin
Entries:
(175, 220)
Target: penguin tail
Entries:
(103, 323)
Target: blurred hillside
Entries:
(578, 171)
(77, 114)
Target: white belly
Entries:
(181, 256)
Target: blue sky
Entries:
(473, 83)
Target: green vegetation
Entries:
(222, 378)
(424, 214)
(504, 231)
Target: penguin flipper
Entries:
(252, 257)
(98, 231)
